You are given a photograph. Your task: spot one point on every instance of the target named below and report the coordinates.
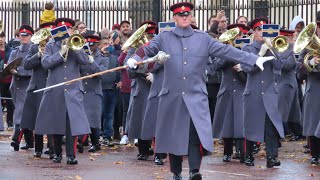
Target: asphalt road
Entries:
(120, 162)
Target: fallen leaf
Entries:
(78, 177)
(159, 177)
(311, 175)
(92, 158)
(118, 162)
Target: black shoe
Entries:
(51, 153)
(272, 161)
(249, 160)
(315, 160)
(46, 151)
(236, 155)
(37, 154)
(195, 176)
(256, 149)
(177, 176)
(150, 152)
(143, 157)
(158, 161)
(15, 145)
(57, 158)
(27, 146)
(226, 158)
(80, 147)
(94, 148)
(306, 146)
(71, 160)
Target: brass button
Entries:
(65, 66)
(185, 48)
(234, 90)
(184, 78)
(183, 93)
(65, 89)
(275, 83)
(17, 88)
(87, 73)
(234, 79)
(65, 77)
(261, 81)
(85, 92)
(17, 78)
(86, 82)
(262, 93)
(185, 63)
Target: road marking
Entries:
(221, 172)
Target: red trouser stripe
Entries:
(20, 136)
(75, 145)
(84, 138)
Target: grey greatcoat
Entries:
(311, 103)
(150, 117)
(38, 81)
(57, 102)
(139, 103)
(228, 118)
(133, 89)
(261, 97)
(183, 96)
(92, 98)
(20, 82)
(288, 88)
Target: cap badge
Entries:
(183, 8)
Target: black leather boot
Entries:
(71, 160)
(57, 158)
(15, 145)
(272, 161)
(249, 160)
(315, 160)
(226, 158)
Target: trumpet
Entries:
(74, 42)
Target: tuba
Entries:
(137, 39)
(229, 36)
(41, 37)
(308, 39)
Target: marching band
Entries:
(171, 104)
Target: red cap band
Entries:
(258, 24)
(26, 31)
(63, 23)
(181, 9)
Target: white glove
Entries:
(312, 62)
(91, 60)
(14, 71)
(132, 63)
(262, 60)
(237, 68)
(63, 50)
(263, 50)
(150, 77)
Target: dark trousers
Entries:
(314, 146)
(5, 92)
(117, 122)
(71, 141)
(228, 145)
(194, 153)
(271, 138)
(125, 105)
(144, 146)
(38, 140)
(18, 133)
(109, 105)
(94, 136)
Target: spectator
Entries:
(48, 15)
(242, 20)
